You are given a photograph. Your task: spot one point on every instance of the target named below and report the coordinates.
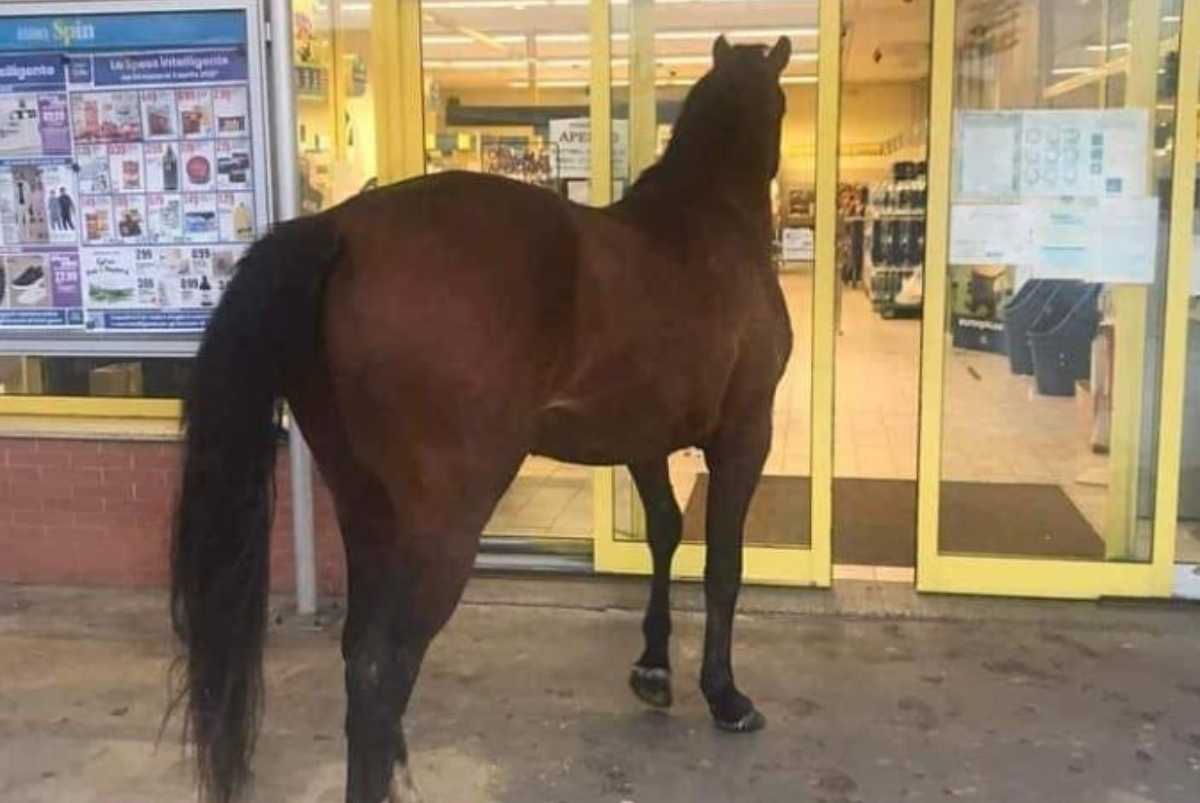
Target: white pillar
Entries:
(287, 206)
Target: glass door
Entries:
(1050, 364)
(499, 81)
(655, 51)
(881, 247)
(1187, 539)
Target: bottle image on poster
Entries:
(231, 108)
(200, 224)
(225, 261)
(94, 169)
(234, 170)
(164, 218)
(107, 117)
(109, 278)
(98, 220)
(161, 115)
(126, 163)
(195, 113)
(197, 159)
(237, 216)
(162, 167)
(129, 213)
(201, 281)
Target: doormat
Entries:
(876, 520)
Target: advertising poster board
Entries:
(133, 171)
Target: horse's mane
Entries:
(702, 129)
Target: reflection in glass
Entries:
(335, 100)
(1187, 548)
(1057, 277)
(506, 93)
(659, 50)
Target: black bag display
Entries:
(1061, 338)
(1019, 315)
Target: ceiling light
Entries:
(477, 64)
(516, 5)
(520, 5)
(624, 82)
(460, 39)
(621, 36)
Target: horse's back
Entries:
(591, 335)
(453, 262)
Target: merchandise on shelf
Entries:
(895, 241)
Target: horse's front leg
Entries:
(735, 462)
(651, 675)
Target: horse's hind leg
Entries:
(404, 583)
(651, 675)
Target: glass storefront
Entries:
(506, 94)
(1056, 421)
(1187, 548)
(335, 100)
(658, 51)
(973, 224)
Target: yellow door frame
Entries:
(623, 552)
(1037, 577)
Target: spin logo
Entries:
(68, 32)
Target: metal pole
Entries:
(287, 206)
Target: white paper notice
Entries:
(578, 191)
(1042, 153)
(1067, 239)
(1110, 240)
(1196, 266)
(1101, 153)
(986, 163)
(1128, 229)
(798, 245)
(991, 234)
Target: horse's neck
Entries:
(706, 194)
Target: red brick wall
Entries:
(86, 512)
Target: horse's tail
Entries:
(262, 334)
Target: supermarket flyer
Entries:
(129, 183)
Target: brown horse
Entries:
(428, 337)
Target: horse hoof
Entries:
(652, 686)
(753, 721)
(402, 789)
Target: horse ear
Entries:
(722, 50)
(780, 55)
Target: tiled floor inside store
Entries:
(997, 429)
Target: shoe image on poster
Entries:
(30, 281)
